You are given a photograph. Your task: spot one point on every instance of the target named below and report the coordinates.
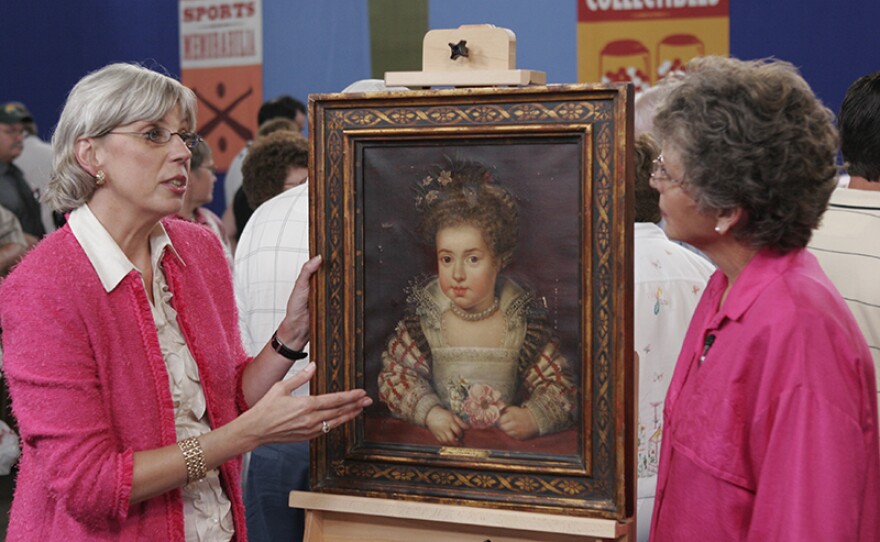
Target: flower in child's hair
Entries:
(445, 178)
(427, 181)
(431, 196)
(483, 406)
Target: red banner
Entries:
(630, 10)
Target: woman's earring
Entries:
(99, 177)
(718, 230)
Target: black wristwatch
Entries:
(284, 350)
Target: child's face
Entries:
(466, 267)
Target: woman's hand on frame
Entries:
(294, 329)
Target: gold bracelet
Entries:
(195, 459)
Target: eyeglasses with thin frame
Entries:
(660, 173)
(161, 136)
(14, 131)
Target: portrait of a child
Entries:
(474, 349)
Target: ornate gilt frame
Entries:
(599, 479)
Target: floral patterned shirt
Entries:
(669, 281)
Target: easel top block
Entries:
(485, 78)
(479, 55)
(490, 48)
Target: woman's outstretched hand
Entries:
(281, 417)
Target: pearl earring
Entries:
(99, 177)
(718, 230)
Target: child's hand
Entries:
(446, 426)
(518, 423)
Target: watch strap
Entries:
(284, 350)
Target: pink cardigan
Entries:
(89, 385)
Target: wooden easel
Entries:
(469, 56)
(343, 518)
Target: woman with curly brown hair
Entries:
(474, 350)
(276, 161)
(770, 422)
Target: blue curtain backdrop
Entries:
(546, 32)
(317, 47)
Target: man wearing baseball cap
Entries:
(15, 193)
(35, 162)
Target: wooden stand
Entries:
(489, 60)
(342, 518)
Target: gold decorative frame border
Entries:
(604, 487)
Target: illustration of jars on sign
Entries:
(626, 60)
(675, 50)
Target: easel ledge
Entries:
(343, 518)
(482, 78)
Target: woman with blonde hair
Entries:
(122, 353)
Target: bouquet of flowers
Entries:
(480, 405)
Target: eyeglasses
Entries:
(161, 136)
(14, 132)
(659, 173)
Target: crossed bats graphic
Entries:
(222, 116)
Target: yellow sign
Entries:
(624, 40)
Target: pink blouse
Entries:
(771, 419)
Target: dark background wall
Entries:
(47, 45)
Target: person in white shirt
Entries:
(847, 243)
(669, 280)
(273, 247)
(275, 241)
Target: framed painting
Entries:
(477, 282)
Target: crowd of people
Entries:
(149, 345)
